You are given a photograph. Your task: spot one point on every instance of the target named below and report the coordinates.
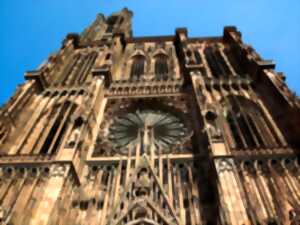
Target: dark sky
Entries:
(32, 29)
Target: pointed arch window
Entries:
(57, 129)
(254, 128)
(161, 66)
(225, 69)
(138, 66)
(234, 130)
(212, 62)
(216, 62)
(245, 129)
(77, 71)
(249, 128)
(197, 57)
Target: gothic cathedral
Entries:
(162, 130)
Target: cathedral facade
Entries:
(162, 130)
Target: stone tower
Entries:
(166, 130)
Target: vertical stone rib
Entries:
(193, 213)
(25, 218)
(51, 192)
(279, 201)
(57, 111)
(236, 124)
(66, 199)
(99, 197)
(245, 118)
(285, 196)
(40, 104)
(274, 128)
(42, 128)
(106, 200)
(232, 205)
(205, 63)
(261, 196)
(226, 60)
(69, 81)
(12, 194)
(117, 185)
(84, 76)
(18, 215)
(231, 197)
(224, 195)
(27, 88)
(73, 206)
(69, 69)
(264, 191)
(262, 211)
(292, 184)
(170, 187)
(251, 198)
(260, 121)
(80, 70)
(61, 129)
(17, 195)
(180, 197)
(226, 130)
(58, 211)
(260, 130)
(250, 121)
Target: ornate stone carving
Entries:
(143, 184)
(59, 170)
(261, 167)
(148, 141)
(224, 164)
(73, 137)
(211, 125)
(247, 167)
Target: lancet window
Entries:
(197, 57)
(138, 66)
(161, 66)
(57, 128)
(216, 62)
(77, 70)
(247, 124)
(49, 133)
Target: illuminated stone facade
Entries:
(115, 129)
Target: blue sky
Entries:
(32, 29)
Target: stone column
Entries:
(230, 193)
(52, 191)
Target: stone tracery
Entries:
(150, 130)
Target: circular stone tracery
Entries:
(147, 127)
